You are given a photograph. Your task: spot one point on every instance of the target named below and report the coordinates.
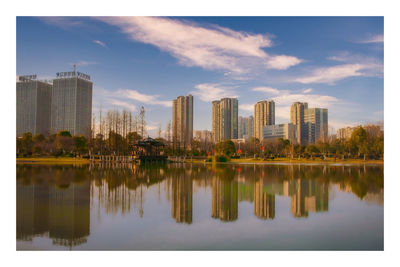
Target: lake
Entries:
(200, 207)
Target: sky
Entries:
(329, 62)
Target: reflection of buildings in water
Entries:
(32, 210)
(224, 199)
(69, 220)
(63, 213)
(264, 203)
(182, 197)
(307, 196)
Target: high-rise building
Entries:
(345, 133)
(182, 120)
(317, 121)
(225, 119)
(182, 198)
(202, 136)
(264, 114)
(33, 105)
(224, 198)
(71, 108)
(246, 127)
(297, 118)
(264, 203)
(285, 131)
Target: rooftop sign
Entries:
(27, 77)
(69, 74)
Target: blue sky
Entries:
(329, 62)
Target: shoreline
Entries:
(61, 160)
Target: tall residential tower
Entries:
(317, 118)
(297, 112)
(264, 114)
(182, 120)
(225, 119)
(71, 107)
(33, 106)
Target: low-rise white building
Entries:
(285, 131)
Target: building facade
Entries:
(203, 136)
(246, 127)
(345, 133)
(297, 118)
(316, 120)
(264, 114)
(285, 131)
(71, 108)
(225, 119)
(182, 120)
(33, 106)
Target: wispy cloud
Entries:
(123, 104)
(62, 22)
(307, 90)
(269, 90)
(83, 63)
(212, 48)
(211, 91)
(99, 43)
(124, 99)
(246, 107)
(143, 98)
(378, 38)
(330, 75)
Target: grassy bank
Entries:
(53, 160)
(288, 160)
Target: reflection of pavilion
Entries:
(264, 203)
(182, 195)
(307, 196)
(63, 213)
(224, 199)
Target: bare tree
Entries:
(142, 122)
(159, 130)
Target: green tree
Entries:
(64, 142)
(80, 144)
(26, 144)
(358, 141)
(226, 147)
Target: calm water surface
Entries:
(199, 207)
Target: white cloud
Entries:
(373, 39)
(84, 63)
(124, 99)
(143, 98)
(246, 107)
(208, 92)
(307, 90)
(332, 74)
(282, 62)
(123, 104)
(269, 90)
(62, 22)
(99, 43)
(213, 48)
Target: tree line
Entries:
(116, 133)
(365, 142)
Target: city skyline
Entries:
(251, 59)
